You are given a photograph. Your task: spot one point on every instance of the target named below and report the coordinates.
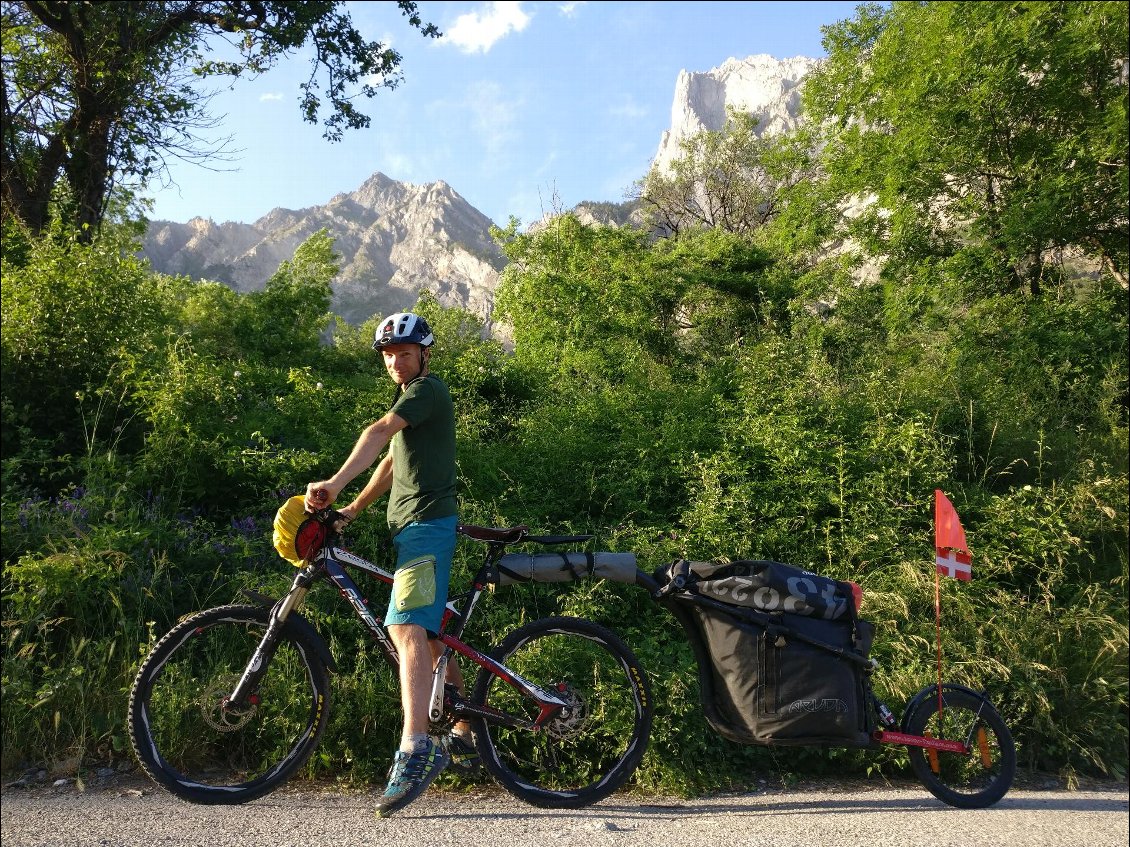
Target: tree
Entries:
(605, 301)
(997, 130)
(732, 179)
(573, 292)
(72, 315)
(290, 313)
(97, 94)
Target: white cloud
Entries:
(375, 80)
(618, 186)
(529, 204)
(569, 10)
(399, 166)
(477, 32)
(270, 95)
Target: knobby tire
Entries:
(588, 751)
(204, 754)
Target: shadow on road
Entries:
(760, 805)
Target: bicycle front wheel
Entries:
(971, 780)
(591, 747)
(187, 738)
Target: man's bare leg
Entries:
(411, 641)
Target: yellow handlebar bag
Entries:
(288, 519)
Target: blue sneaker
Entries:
(410, 777)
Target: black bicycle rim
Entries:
(971, 780)
(204, 754)
(590, 749)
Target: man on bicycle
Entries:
(418, 473)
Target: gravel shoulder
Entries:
(130, 811)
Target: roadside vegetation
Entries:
(926, 288)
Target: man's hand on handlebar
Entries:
(348, 514)
(320, 495)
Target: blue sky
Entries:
(522, 108)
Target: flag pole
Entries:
(951, 555)
(938, 631)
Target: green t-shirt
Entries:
(423, 455)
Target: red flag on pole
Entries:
(952, 553)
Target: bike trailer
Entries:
(782, 653)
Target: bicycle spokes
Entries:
(570, 721)
(982, 771)
(219, 712)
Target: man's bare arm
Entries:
(372, 441)
(379, 484)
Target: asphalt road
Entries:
(131, 812)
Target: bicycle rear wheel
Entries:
(971, 780)
(204, 753)
(588, 750)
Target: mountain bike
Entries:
(233, 700)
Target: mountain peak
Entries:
(394, 239)
(760, 84)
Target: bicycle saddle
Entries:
(509, 535)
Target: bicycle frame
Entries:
(330, 565)
(884, 736)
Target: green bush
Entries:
(812, 438)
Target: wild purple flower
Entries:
(244, 526)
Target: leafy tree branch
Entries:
(96, 95)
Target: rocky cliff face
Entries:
(394, 239)
(760, 84)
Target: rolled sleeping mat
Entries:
(566, 567)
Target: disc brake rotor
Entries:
(216, 711)
(571, 719)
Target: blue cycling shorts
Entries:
(421, 546)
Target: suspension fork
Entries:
(257, 667)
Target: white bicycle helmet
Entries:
(403, 328)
